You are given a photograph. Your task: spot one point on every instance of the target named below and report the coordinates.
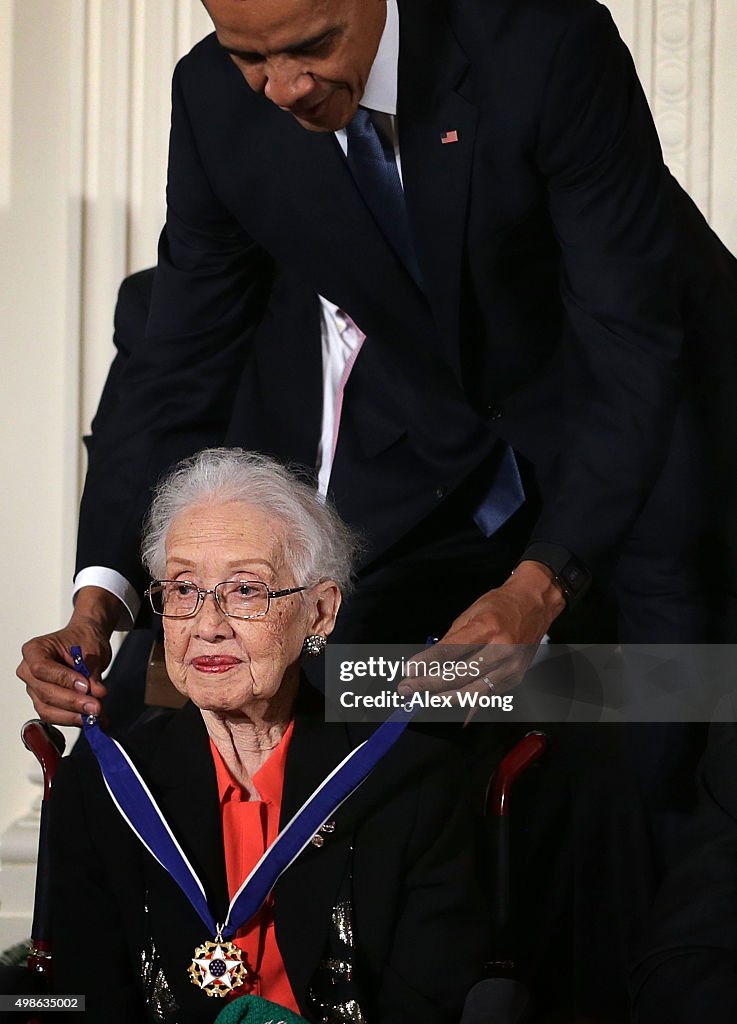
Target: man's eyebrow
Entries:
(298, 47)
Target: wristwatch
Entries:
(569, 572)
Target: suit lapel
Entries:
(183, 775)
(306, 893)
(371, 283)
(310, 173)
(437, 174)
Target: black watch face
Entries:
(575, 577)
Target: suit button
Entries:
(494, 412)
(440, 492)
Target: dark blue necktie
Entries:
(506, 494)
(374, 169)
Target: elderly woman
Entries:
(375, 920)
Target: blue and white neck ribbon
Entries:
(136, 804)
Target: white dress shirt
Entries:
(341, 337)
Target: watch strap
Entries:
(568, 571)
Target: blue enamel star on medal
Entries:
(217, 967)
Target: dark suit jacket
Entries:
(689, 969)
(405, 836)
(563, 268)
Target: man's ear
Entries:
(326, 600)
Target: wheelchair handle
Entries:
(47, 745)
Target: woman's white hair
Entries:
(319, 544)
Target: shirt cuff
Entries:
(114, 583)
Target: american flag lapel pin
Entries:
(448, 137)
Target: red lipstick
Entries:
(213, 663)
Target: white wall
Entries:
(84, 109)
(84, 101)
(39, 382)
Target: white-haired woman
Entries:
(376, 919)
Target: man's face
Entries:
(310, 57)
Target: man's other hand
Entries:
(59, 693)
(502, 629)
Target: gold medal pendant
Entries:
(217, 967)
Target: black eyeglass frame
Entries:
(202, 593)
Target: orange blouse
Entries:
(249, 828)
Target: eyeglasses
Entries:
(239, 599)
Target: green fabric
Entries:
(255, 1010)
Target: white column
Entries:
(724, 134)
(683, 98)
(686, 57)
(130, 55)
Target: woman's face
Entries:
(225, 664)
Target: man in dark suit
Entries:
(540, 299)
(526, 330)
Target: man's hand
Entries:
(59, 693)
(502, 629)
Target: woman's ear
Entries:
(326, 600)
